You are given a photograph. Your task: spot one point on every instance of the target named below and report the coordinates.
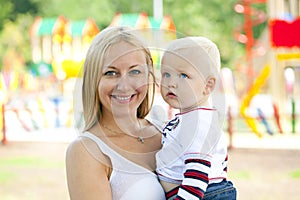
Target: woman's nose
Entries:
(123, 83)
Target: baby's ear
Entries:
(210, 85)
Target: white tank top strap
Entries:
(118, 161)
(128, 180)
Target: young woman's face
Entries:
(182, 85)
(124, 82)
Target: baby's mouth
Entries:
(171, 94)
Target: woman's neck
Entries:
(125, 124)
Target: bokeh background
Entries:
(42, 49)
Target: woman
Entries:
(114, 158)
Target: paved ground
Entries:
(265, 174)
(262, 169)
(33, 171)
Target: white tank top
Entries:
(128, 180)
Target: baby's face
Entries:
(182, 83)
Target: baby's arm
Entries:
(195, 179)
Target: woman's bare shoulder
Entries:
(84, 149)
(87, 175)
(77, 146)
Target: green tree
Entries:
(101, 11)
(10, 9)
(6, 9)
(211, 19)
(15, 36)
(214, 19)
(133, 6)
(15, 21)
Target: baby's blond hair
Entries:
(209, 47)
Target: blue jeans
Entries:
(220, 191)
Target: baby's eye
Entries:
(135, 72)
(183, 75)
(166, 75)
(110, 73)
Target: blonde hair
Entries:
(92, 107)
(209, 48)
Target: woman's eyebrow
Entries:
(105, 67)
(108, 67)
(135, 65)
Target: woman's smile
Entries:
(122, 98)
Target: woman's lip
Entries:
(123, 98)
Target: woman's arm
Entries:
(87, 177)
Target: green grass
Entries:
(6, 176)
(295, 174)
(11, 169)
(246, 175)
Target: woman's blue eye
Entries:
(110, 73)
(166, 75)
(135, 72)
(182, 75)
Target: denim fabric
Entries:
(172, 198)
(218, 191)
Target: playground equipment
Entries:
(281, 47)
(285, 34)
(38, 114)
(254, 89)
(252, 17)
(277, 118)
(143, 21)
(262, 117)
(58, 51)
(2, 122)
(284, 28)
(244, 33)
(61, 44)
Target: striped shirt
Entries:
(194, 153)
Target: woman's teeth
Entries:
(123, 98)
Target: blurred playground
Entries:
(40, 112)
(262, 95)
